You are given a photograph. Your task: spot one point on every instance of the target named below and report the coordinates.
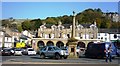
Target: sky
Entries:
(42, 10)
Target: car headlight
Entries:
(62, 52)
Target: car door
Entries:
(50, 51)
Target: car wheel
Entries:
(42, 56)
(65, 57)
(57, 56)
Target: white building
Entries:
(104, 36)
(26, 37)
(27, 33)
(8, 41)
(1, 38)
(115, 17)
(108, 35)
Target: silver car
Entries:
(54, 52)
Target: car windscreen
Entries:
(6, 50)
(64, 48)
(17, 49)
(56, 48)
(30, 50)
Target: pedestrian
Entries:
(108, 54)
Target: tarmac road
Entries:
(36, 60)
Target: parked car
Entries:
(24, 51)
(117, 44)
(6, 51)
(30, 51)
(12, 50)
(65, 49)
(77, 50)
(96, 50)
(81, 52)
(118, 52)
(54, 52)
(18, 52)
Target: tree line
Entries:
(88, 16)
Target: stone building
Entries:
(82, 31)
(57, 35)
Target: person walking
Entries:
(108, 54)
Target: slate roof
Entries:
(86, 25)
(48, 25)
(7, 35)
(2, 30)
(68, 25)
(113, 31)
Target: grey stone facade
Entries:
(82, 31)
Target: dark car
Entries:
(117, 44)
(6, 51)
(96, 50)
(12, 50)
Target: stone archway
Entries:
(60, 44)
(81, 44)
(50, 43)
(67, 44)
(90, 43)
(40, 44)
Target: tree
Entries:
(105, 23)
(5, 23)
(50, 20)
(66, 19)
(35, 24)
(89, 16)
(13, 26)
(115, 25)
(98, 10)
(98, 22)
(19, 28)
(26, 25)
